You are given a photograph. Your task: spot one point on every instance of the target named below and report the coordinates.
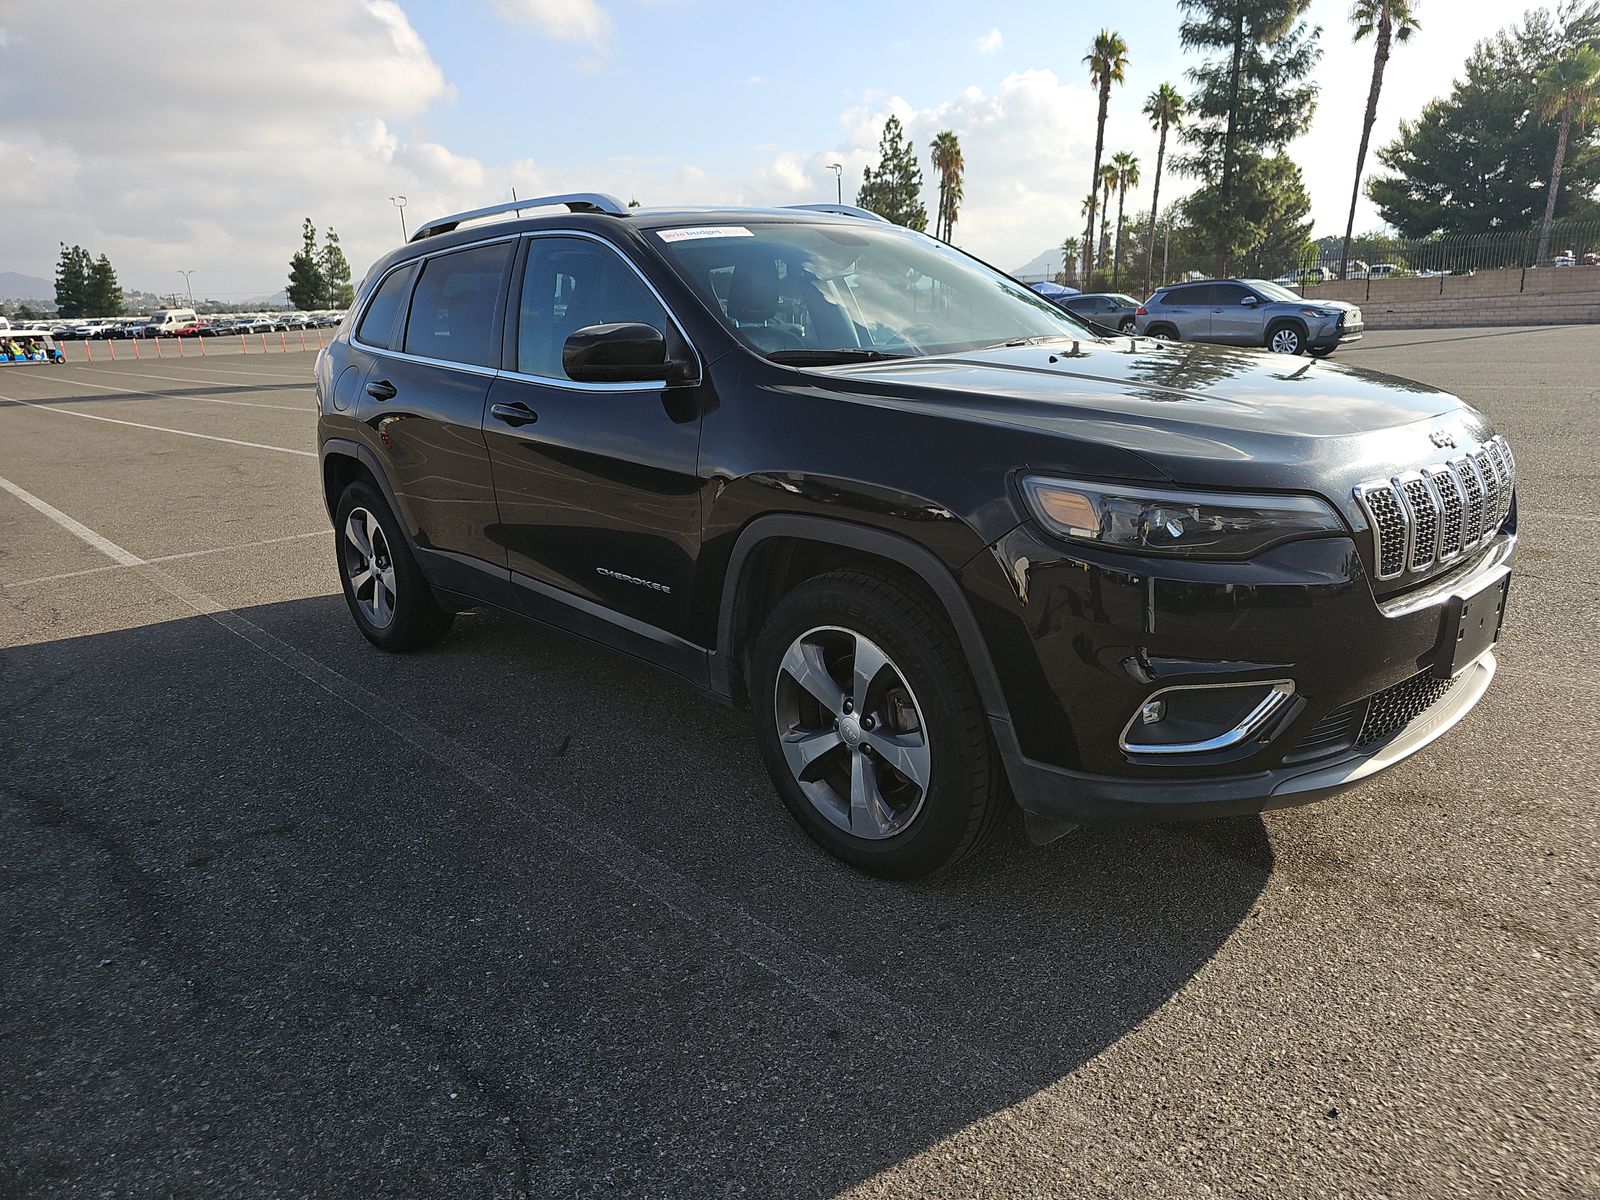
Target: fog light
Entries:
(1152, 711)
(1206, 718)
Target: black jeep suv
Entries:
(940, 539)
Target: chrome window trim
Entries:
(414, 261)
(1279, 693)
(652, 385)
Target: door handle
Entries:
(513, 414)
(382, 389)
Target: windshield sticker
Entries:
(703, 231)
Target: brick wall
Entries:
(1546, 296)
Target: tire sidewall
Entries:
(942, 821)
(414, 604)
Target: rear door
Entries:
(1189, 308)
(598, 483)
(423, 399)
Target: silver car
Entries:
(1249, 312)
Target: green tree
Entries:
(1108, 181)
(1250, 98)
(1165, 109)
(1271, 207)
(949, 163)
(1477, 160)
(104, 294)
(335, 271)
(25, 311)
(306, 287)
(1107, 61)
(72, 281)
(1386, 22)
(1069, 260)
(1569, 92)
(1127, 169)
(894, 190)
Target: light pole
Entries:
(400, 203)
(189, 286)
(838, 180)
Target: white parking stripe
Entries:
(105, 545)
(235, 382)
(161, 558)
(106, 387)
(209, 437)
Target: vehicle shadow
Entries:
(512, 916)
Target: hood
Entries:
(1201, 413)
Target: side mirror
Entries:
(1249, 302)
(622, 352)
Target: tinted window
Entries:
(1194, 294)
(1078, 306)
(454, 312)
(378, 325)
(571, 283)
(1228, 293)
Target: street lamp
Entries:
(188, 285)
(838, 179)
(400, 203)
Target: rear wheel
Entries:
(1163, 333)
(871, 727)
(391, 602)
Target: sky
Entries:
(198, 137)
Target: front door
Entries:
(597, 483)
(1232, 319)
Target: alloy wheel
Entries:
(852, 732)
(369, 567)
(1286, 341)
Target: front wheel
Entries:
(1286, 339)
(871, 727)
(391, 602)
(1128, 325)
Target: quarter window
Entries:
(1227, 294)
(569, 284)
(454, 312)
(377, 327)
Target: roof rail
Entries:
(844, 210)
(575, 202)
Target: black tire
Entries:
(966, 788)
(1128, 325)
(1322, 352)
(1166, 333)
(1286, 337)
(415, 618)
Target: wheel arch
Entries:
(345, 461)
(1277, 323)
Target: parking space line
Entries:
(162, 558)
(209, 437)
(105, 545)
(106, 387)
(307, 383)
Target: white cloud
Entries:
(989, 43)
(565, 20)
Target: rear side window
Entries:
(1194, 294)
(455, 309)
(570, 283)
(377, 327)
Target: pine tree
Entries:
(72, 281)
(894, 190)
(335, 270)
(104, 297)
(305, 271)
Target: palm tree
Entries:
(1391, 20)
(1127, 168)
(1569, 89)
(949, 164)
(1165, 109)
(1069, 260)
(1107, 61)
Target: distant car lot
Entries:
(509, 930)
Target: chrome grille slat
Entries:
(1439, 512)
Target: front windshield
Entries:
(840, 291)
(1274, 291)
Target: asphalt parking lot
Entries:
(283, 916)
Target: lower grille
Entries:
(1392, 709)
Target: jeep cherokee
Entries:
(942, 541)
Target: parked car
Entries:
(1249, 312)
(1110, 311)
(1382, 270)
(944, 553)
(166, 322)
(1304, 275)
(196, 328)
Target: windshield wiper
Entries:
(828, 358)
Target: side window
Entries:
(1228, 294)
(1181, 296)
(377, 326)
(453, 312)
(571, 283)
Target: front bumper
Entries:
(1335, 332)
(1082, 640)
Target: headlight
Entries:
(1319, 312)
(1172, 521)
